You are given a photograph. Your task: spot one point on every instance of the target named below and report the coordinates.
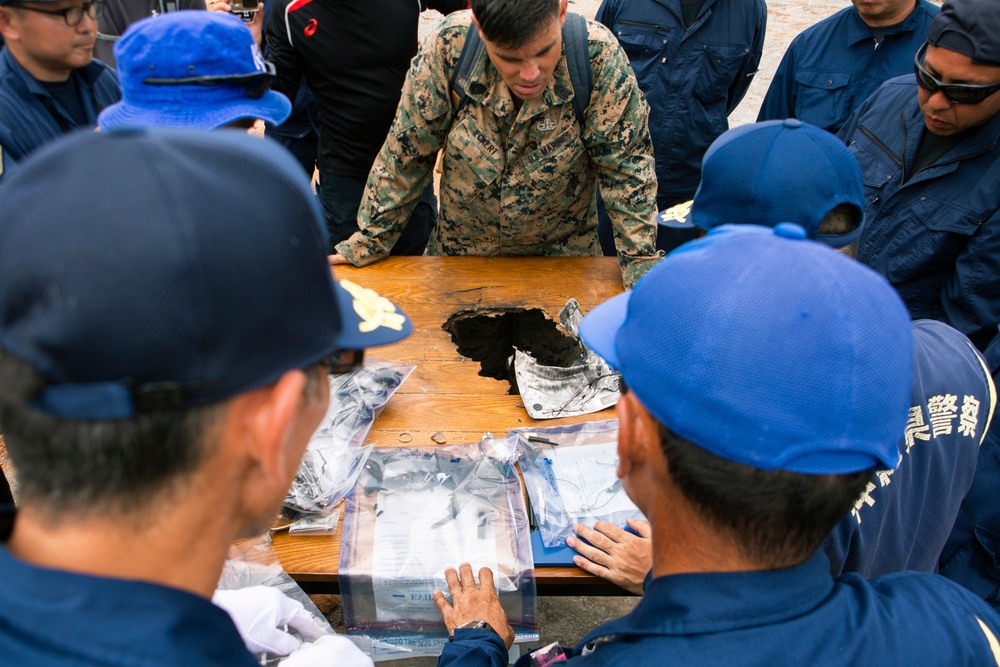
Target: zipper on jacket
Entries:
(639, 24)
(878, 142)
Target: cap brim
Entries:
(368, 319)
(677, 217)
(271, 106)
(600, 327)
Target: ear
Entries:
(563, 8)
(7, 28)
(475, 22)
(269, 416)
(638, 436)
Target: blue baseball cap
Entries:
(134, 279)
(767, 349)
(771, 172)
(193, 69)
(970, 27)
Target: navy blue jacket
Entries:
(833, 66)
(794, 616)
(936, 237)
(30, 117)
(905, 516)
(971, 556)
(50, 617)
(691, 77)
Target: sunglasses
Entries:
(255, 83)
(957, 93)
(344, 361)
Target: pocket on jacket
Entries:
(822, 98)
(471, 162)
(643, 43)
(938, 231)
(720, 63)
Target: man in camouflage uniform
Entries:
(518, 170)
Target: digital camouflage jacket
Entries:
(515, 182)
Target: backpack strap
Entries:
(574, 34)
(577, 50)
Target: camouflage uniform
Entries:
(515, 182)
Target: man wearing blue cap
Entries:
(165, 342)
(193, 69)
(767, 377)
(832, 67)
(790, 171)
(49, 82)
(927, 147)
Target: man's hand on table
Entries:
(615, 554)
(336, 258)
(471, 603)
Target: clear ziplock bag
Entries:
(337, 453)
(570, 475)
(416, 512)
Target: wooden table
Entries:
(446, 394)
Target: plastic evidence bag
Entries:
(416, 512)
(573, 480)
(336, 452)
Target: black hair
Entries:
(776, 518)
(108, 467)
(512, 23)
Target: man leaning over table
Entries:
(518, 172)
(747, 430)
(165, 342)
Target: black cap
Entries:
(971, 27)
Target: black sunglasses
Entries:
(957, 93)
(71, 15)
(344, 361)
(255, 83)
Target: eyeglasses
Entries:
(71, 15)
(957, 93)
(344, 361)
(255, 83)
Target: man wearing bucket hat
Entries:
(50, 83)
(165, 341)
(193, 69)
(791, 171)
(927, 147)
(767, 377)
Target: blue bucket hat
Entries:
(771, 172)
(133, 279)
(193, 69)
(766, 349)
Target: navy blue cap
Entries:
(771, 172)
(158, 54)
(767, 349)
(134, 278)
(970, 27)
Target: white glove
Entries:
(261, 614)
(328, 650)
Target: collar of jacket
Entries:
(89, 74)
(858, 30)
(685, 604)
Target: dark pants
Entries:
(667, 238)
(341, 197)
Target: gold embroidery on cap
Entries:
(678, 213)
(374, 310)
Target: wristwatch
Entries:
(474, 625)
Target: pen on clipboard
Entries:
(540, 440)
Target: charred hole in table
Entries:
(489, 336)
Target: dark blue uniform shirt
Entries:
(691, 77)
(30, 116)
(833, 66)
(905, 515)
(51, 617)
(936, 237)
(794, 616)
(971, 556)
